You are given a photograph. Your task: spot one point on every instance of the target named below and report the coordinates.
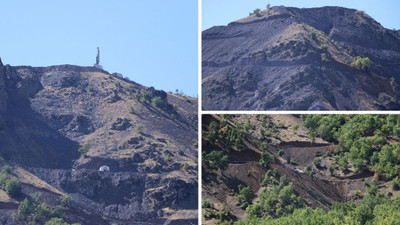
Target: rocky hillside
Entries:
(301, 59)
(60, 124)
(266, 166)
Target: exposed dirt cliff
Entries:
(59, 124)
(301, 59)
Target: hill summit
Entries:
(286, 58)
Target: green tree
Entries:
(213, 132)
(245, 196)
(343, 164)
(265, 158)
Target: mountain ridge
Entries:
(288, 41)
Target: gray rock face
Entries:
(277, 61)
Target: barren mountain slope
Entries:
(300, 59)
(145, 136)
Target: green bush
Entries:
(295, 127)
(137, 96)
(157, 102)
(361, 63)
(90, 88)
(145, 96)
(13, 187)
(265, 158)
(56, 221)
(84, 149)
(317, 162)
(343, 164)
(323, 56)
(331, 169)
(323, 47)
(206, 204)
(176, 107)
(262, 134)
(167, 157)
(131, 110)
(313, 35)
(249, 126)
(312, 173)
(393, 82)
(256, 12)
(281, 152)
(67, 200)
(395, 183)
(139, 128)
(5, 170)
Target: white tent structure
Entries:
(104, 169)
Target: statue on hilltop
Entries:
(97, 65)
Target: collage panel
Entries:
(99, 112)
(300, 168)
(296, 56)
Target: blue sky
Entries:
(153, 42)
(221, 12)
